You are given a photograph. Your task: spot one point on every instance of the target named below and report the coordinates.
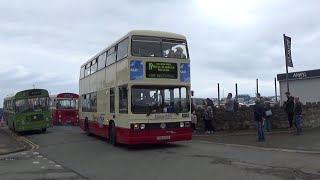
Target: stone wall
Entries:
(244, 119)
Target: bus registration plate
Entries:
(159, 138)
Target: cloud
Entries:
(44, 43)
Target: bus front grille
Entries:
(69, 114)
(35, 118)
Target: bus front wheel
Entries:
(112, 134)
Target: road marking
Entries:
(32, 144)
(40, 156)
(35, 162)
(51, 162)
(57, 166)
(261, 148)
(42, 167)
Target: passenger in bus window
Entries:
(171, 53)
(179, 53)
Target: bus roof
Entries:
(65, 95)
(152, 33)
(31, 93)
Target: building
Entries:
(305, 84)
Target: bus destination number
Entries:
(161, 70)
(32, 93)
(68, 95)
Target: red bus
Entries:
(64, 108)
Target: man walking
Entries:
(289, 108)
(297, 114)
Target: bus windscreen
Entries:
(32, 104)
(158, 47)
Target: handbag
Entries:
(269, 113)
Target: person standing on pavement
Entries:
(297, 114)
(289, 108)
(258, 116)
(229, 107)
(194, 120)
(208, 117)
(229, 104)
(268, 117)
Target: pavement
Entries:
(31, 165)
(9, 142)
(93, 158)
(285, 140)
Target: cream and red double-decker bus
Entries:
(64, 108)
(137, 90)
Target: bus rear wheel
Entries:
(112, 134)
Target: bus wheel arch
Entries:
(112, 133)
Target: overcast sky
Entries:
(230, 41)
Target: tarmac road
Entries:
(93, 158)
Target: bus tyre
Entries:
(43, 130)
(86, 127)
(112, 134)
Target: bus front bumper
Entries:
(33, 126)
(127, 136)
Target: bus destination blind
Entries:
(161, 70)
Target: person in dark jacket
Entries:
(297, 114)
(258, 116)
(289, 108)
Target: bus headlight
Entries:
(77, 116)
(136, 126)
(181, 124)
(59, 116)
(142, 126)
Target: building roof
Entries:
(299, 75)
